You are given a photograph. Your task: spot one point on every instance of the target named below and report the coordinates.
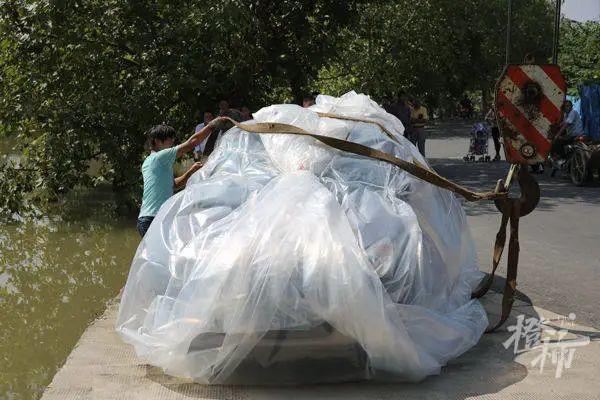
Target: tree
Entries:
(579, 56)
(434, 49)
(83, 80)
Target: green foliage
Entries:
(15, 187)
(434, 49)
(83, 80)
(579, 55)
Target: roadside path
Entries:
(560, 241)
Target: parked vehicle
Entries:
(582, 159)
(583, 155)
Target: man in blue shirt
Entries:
(572, 121)
(570, 128)
(157, 170)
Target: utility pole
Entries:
(556, 32)
(508, 28)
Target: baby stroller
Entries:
(478, 144)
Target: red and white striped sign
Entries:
(528, 102)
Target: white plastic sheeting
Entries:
(280, 233)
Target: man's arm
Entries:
(181, 181)
(565, 124)
(562, 130)
(193, 140)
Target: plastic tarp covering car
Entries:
(286, 261)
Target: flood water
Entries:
(56, 274)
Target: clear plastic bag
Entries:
(286, 261)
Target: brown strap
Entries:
(511, 212)
(498, 249)
(367, 121)
(510, 287)
(411, 167)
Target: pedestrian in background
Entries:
(466, 107)
(199, 148)
(246, 114)
(490, 118)
(309, 100)
(404, 115)
(419, 119)
(224, 111)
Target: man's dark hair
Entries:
(161, 132)
(309, 97)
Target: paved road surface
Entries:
(560, 241)
(559, 272)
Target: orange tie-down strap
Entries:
(509, 212)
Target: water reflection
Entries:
(56, 273)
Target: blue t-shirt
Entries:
(157, 171)
(575, 126)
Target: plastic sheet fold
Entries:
(285, 261)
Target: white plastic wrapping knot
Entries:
(280, 235)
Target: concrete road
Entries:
(559, 273)
(560, 241)
(103, 367)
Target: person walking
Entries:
(490, 118)
(400, 109)
(419, 119)
(466, 107)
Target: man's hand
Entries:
(562, 131)
(222, 123)
(180, 181)
(195, 167)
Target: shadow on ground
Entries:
(450, 129)
(483, 177)
(485, 369)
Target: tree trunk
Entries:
(297, 86)
(485, 100)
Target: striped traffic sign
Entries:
(528, 103)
